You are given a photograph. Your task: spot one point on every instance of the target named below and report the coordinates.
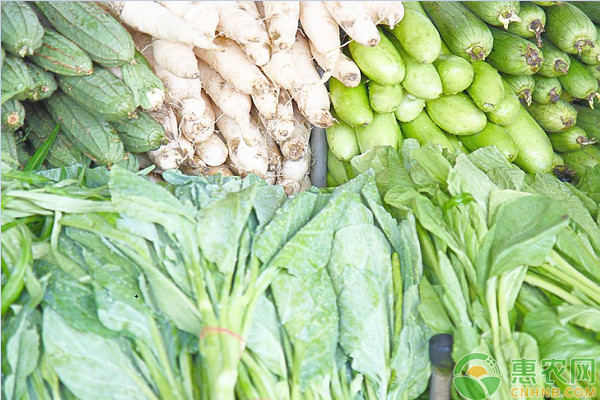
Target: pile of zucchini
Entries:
(60, 62)
(522, 76)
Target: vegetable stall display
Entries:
(161, 238)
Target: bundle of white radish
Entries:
(242, 79)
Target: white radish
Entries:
(152, 18)
(341, 67)
(243, 158)
(355, 21)
(312, 97)
(297, 144)
(283, 125)
(292, 173)
(202, 15)
(389, 13)
(233, 65)
(282, 22)
(169, 155)
(274, 154)
(232, 102)
(320, 27)
(177, 58)
(212, 151)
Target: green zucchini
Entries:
(547, 90)
(514, 55)
(557, 160)
(465, 34)
(547, 3)
(91, 28)
(331, 182)
(336, 168)
(572, 139)
(61, 56)
(580, 82)
(534, 151)
(381, 63)
(591, 54)
(410, 107)
(496, 13)
(16, 80)
(44, 83)
(508, 108)
(13, 115)
(62, 153)
(590, 8)
(341, 140)
(594, 70)
(457, 145)
(492, 135)
(456, 114)
(455, 72)
(92, 136)
(148, 90)
(421, 80)
(383, 131)
(554, 117)
(101, 93)
(384, 98)
(569, 28)
(351, 104)
(487, 89)
(426, 132)
(21, 30)
(566, 96)
(589, 120)
(556, 62)
(418, 36)
(521, 85)
(533, 21)
(587, 157)
(140, 134)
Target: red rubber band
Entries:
(212, 330)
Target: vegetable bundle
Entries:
(453, 73)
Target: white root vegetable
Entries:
(152, 18)
(355, 21)
(213, 151)
(312, 97)
(282, 22)
(203, 127)
(233, 103)
(292, 173)
(341, 68)
(202, 15)
(233, 65)
(240, 21)
(389, 13)
(169, 155)
(177, 58)
(243, 159)
(321, 28)
(274, 155)
(282, 126)
(296, 146)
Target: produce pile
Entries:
(463, 199)
(220, 288)
(452, 74)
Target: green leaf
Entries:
(587, 317)
(360, 269)
(388, 167)
(91, 366)
(307, 309)
(37, 159)
(523, 232)
(432, 310)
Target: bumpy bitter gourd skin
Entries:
(554, 117)
(556, 62)
(92, 136)
(573, 139)
(16, 80)
(21, 30)
(91, 28)
(496, 13)
(514, 55)
(580, 82)
(532, 24)
(13, 115)
(140, 134)
(547, 90)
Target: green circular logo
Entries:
(476, 376)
